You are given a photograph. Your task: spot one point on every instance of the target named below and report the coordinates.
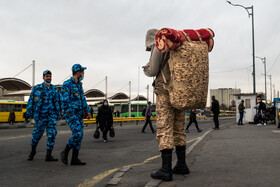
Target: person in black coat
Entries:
(261, 108)
(193, 119)
(12, 117)
(215, 108)
(105, 119)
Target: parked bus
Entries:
(123, 109)
(19, 107)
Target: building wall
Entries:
(224, 95)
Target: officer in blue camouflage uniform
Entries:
(75, 108)
(44, 106)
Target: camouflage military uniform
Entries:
(170, 121)
(44, 106)
(170, 124)
(75, 107)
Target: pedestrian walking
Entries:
(75, 108)
(215, 108)
(104, 119)
(260, 111)
(148, 114)
(241, 109)
(44, 106)
(170, 121)
(12, 117)
(193, 120)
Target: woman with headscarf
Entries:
(105, 119)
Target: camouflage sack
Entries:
(189, 71)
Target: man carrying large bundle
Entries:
(173, 68)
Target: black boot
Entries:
(165, 173)
(64, 154)
(49, 156)
(75, 160)
(32, 153)
(181, 165)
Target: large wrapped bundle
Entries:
(168, 39)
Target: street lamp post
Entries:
(264, 62)
(253, 39)
(269, 76)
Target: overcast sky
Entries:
(108, 37)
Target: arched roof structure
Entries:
(119, 95)
(94, 93)
(141, 98)
(14, 84)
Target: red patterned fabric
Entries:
(168, 39)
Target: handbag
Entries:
(96, 133)
(112, 132)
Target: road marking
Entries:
(30, 135)
(98, 178)
(101, 176)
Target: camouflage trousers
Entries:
(76, 125)
(170, 124)
(40, 125)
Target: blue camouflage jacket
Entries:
(73, 99)
(44, 102)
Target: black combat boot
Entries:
(165, 173)
(49, 156)
(75, 160)
(32, 153)
(181, 165)
(64, 154)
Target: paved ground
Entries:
(129, 148)
(233, 156)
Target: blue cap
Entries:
(47, 72)
(77, 67)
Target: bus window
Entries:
(2, 108)
(10, 107)
(24, 106)
(17, 108)
(125, 108)
(117, 108)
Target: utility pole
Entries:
(253, 39)
(129, 104)
(138, 90)
(106, 88)
(33, 73)
(264, 62)
(148, 93)
(274, 92)
(269, 76)
(153, 91)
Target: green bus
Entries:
(122, 109)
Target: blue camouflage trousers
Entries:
(40, 125)
(76, 125)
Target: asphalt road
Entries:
(128, 147)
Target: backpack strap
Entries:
(165, 61)
(187, 36)
(199, 37)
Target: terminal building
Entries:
(225, 96)
(17, 90)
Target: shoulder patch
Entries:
(36, 98)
